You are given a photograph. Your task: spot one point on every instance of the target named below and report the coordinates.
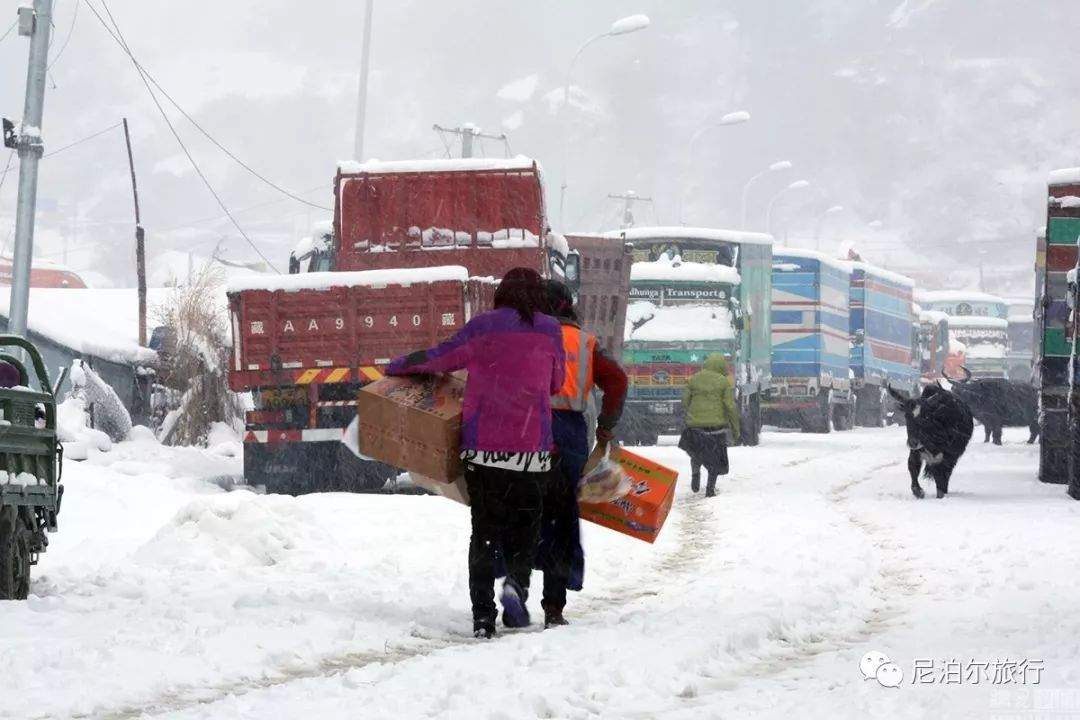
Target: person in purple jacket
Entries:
(515, 360)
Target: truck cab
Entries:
(979, 322)
(693, 292)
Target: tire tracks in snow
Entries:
(695, 542)
(896, 580)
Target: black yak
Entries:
(939, 426)
(998, 403)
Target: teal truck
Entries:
(694, 291)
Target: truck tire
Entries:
(818, 420)
(15, 537)
(843, 417)
(751, 422)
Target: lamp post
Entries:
(821, 221)
(623, 26)
(797, 185)
(775, 167)
(732, 118)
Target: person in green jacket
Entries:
(712, 421)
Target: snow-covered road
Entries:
(164, 596)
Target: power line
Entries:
(62, 149)
(71, 31)
(8, 31)
(7, 167)
(147, 76)
(119, 38)
(193, 223)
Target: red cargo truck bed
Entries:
(340, 327)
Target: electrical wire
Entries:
(8, 31)
(61, 149)
(7, 167)
(63, 47)
(119, 38)
(148, 77)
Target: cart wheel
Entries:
(14, 555)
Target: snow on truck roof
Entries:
(932, 296)
(978, 321)
(878, 272)
(1064, 176)
(780, 252)
(361, 278)
(674, 269)
(376, 167)
(690, 233)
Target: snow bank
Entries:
(1064, 176)
(102, 323)
(348, 167)
(239, 530)
(674, 269)
(952, 296)
(74, 431)
(690, 233)
(677, 323)
(362, 278)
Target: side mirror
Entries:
(573, 268)
(294, 264)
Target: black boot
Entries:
(553, 616)
(483, 629)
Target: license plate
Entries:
(661, 408)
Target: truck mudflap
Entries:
(297, 462)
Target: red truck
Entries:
(415, 251)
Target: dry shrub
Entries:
(193, 367)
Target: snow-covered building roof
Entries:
(932, 316)
(362, 278)
(101, 323)
(350, 167)
(674, 269)
(690, 233)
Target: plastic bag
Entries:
(604, 483)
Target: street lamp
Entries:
(821, 221)
(797, 185)
(775, 167)
(732, 118)
(622, 26)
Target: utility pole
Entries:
(468, 133)
(629, 198)
(33, 22)
(140, 241)
(365, 66)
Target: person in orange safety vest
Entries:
(560, 555)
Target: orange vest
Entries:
(578, 346)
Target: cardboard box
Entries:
(414, 423)
(455, 490)
(641, 514)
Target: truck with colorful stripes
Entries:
(415, 250)
(883, 332)
(1056, 364)
(980, 322)
(693, 292)
(811, 387)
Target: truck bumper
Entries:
(299, 467)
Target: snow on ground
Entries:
(165, 596)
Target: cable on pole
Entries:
(63, 47)
(150, 78)
(8, 31)
(119, 38)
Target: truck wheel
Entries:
(14, 555)
(751, 422)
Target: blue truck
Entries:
(811, 387)
(884, 339)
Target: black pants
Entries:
(505, 508)
(560, 519)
